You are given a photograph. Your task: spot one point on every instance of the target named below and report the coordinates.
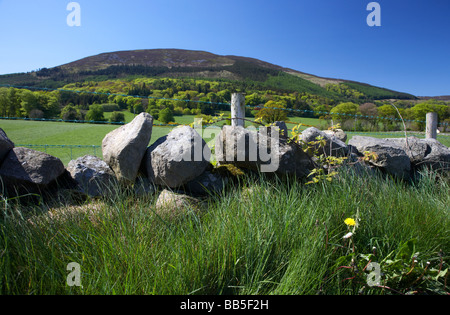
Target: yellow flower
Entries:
(350, 222)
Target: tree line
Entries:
(172, 96)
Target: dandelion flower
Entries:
(350, 222)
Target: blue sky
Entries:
(409, 52)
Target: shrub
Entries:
(178, 111)
(196, 111)
(95, 113)
(154, 112)
(206, 119)
(166, 116)
(117, 117)
(272, 112)
(70, 112)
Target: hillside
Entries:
(177, 63)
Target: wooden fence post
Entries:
(431, 130)
(237, 109)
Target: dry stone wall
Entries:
(181, 161)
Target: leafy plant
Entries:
(402, 271)
(327, 165)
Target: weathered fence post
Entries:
(431, 130)
(237, 109)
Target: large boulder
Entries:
(424, 152)
(392, 158)
(93, 176)
(177, 158)
(124, 147)
(333, 146)
(6, 145)
(415, 148)
(257, 151)
(27, 171)
(293, 161)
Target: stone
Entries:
(392, 159)
(207, 183)
(416, 148)
(257, 151)
(337, 133)
(177, 158)
(124, 147)
(238, 146)
(423, 152)
(294, 161)
(94, 177)
(438, 157)
(283, 130)
(333, 147)
(172, 204)
(6, 145)
(143, 186)
(28, 171)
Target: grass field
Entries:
(82, 139)
(282, 237)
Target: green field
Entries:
(69, 141)
(51, 136)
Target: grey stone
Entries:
(337, 133)
(124, 147)
(249, 149)
(391, 158)
(416, 148)
(283, 130)
(28, 171)
(207, 183)
(172, 205)
(94, 177)
(438, 157)
(177, 158)
(143, 186)
(6, 145)
(333, 146)
(425, 152)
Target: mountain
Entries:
(177, 63)
(439, 98)
(179, 58)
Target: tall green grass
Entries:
(259, 237)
